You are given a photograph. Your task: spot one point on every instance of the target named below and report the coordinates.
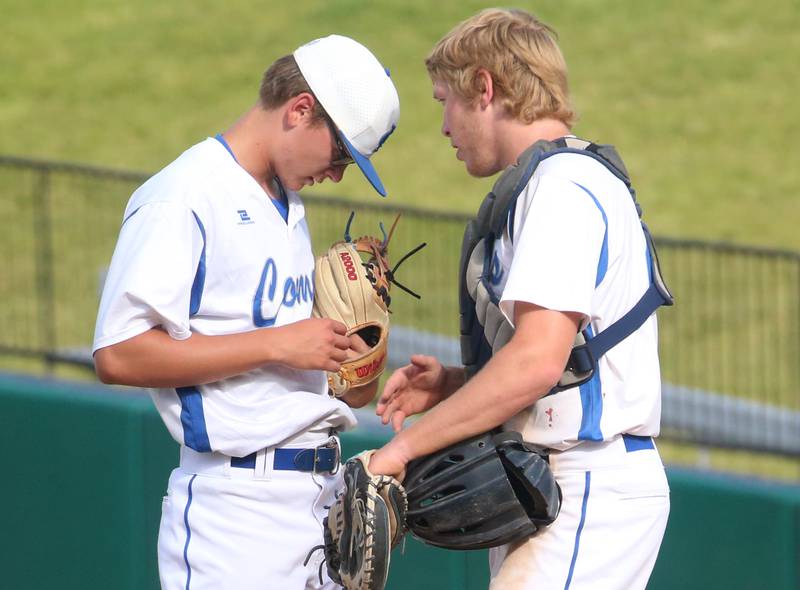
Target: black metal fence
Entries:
(730, 348)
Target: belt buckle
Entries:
(333, 443)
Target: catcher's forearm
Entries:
(517, 376)
(487, 400)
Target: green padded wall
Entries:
(85, 472)
(729, 532)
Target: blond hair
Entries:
(520, 53)
(282, 81)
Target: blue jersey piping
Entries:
(193, 420)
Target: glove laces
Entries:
(379, 251)
(315, 548)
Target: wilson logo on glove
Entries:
(351, 285)
(371, 367)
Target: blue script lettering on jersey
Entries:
(295, 290)
(298, 289)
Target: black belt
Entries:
(322, 459)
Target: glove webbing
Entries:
(377, 267)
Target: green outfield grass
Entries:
(699, 97)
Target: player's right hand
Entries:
(315, 343)
(412, 389)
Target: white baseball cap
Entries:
(356, 92)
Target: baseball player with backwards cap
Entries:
(557, 249)
(208, 300)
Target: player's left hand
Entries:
(388, 460)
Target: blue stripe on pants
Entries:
(580, 528)
(188, 535)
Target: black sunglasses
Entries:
(342, 157)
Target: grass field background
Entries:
(699, 97)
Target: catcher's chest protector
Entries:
(484, 329)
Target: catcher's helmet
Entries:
(482, 492)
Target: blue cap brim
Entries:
(366, 166)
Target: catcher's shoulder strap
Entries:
(484, 329)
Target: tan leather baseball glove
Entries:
(351, 285)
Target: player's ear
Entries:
(485, 85)
(299, 108)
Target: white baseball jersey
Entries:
(203, 250)
(575, 244)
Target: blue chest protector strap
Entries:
(484, 329)
(583, 358)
